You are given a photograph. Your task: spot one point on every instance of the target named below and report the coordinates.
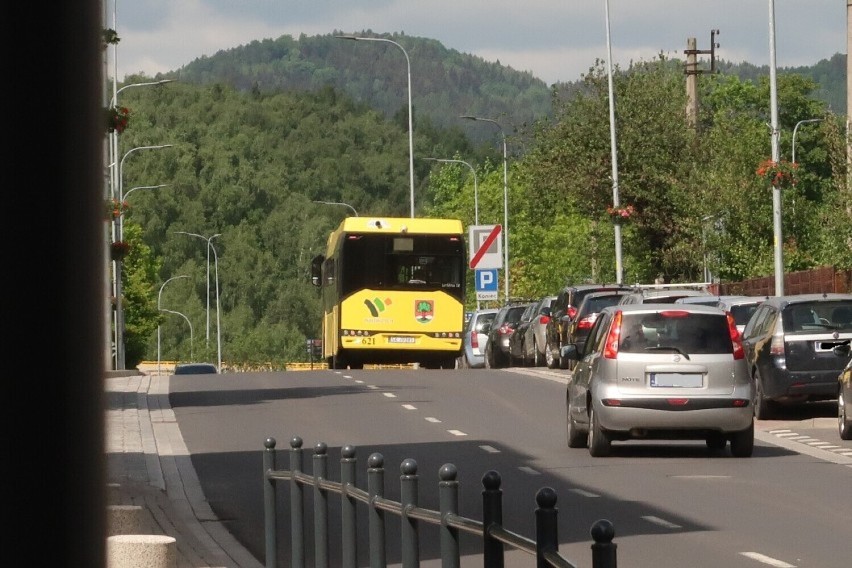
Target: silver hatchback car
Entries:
(660, 371)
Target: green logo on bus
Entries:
(424, 310)
(377, 306)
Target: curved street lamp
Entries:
(337, 203)
(410, 128)
(505, 198)
(475, 185)
(619, 268)
(216, 260)
(795, 129)
(191, 355)
(116, 235)
(159, 297)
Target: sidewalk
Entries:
(148, 465)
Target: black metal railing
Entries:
(495, 536)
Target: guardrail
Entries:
(495, 536)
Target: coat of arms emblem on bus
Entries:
(424, 310)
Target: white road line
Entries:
(456, 432)
(347, 376)
(360, 382)
(584, 493)
(431, 419)
(661, 522)
(409, 407)
(529, 470)
(490, 449)
(389, 394)
(372, 387)
(767, 560)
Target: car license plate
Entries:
(400, 339)
(684, 380)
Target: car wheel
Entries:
(716, 441)
(576, 438)
(599, 443)
(844, 422)
(742, 443)
(563, 363)
(763, 407)
(549, 359)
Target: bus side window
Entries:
(316, 270)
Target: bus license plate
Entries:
(400, 339)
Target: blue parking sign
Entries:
(486, 284)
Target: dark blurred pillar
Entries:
(51, 197)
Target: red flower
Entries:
(117, 119)
(618, 214)
(781, 174)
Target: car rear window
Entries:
(691, 333)
(598, 303)
(743, 313)
(817, 317)
(484, 319)
(514, 314)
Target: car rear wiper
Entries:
(667, 348)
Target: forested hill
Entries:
(445, 82)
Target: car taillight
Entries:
(572, 311)
(544, 320)
(736, 337)
(611, 345)
(474, 339)
(776, 346)
(587, 322)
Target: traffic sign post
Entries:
(486, 247)
(486, 284)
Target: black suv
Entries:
(789, 347)
(562, 311)
(500, 331)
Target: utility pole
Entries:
(692, 72)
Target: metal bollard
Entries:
(320, 506)
(349, 544)
(546, 536)
(297, 507)
(408, 499)
(492, 514)
(603, 550)
(448, 498)
(376, 489)
(269, 503)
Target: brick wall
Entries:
(823, 279)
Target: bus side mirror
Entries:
(316, 270)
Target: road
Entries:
(673, 504)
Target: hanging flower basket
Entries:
(781, 174)
(110, 37)
(116, 208)
(119, 250)
(620, 214)
(117, 119)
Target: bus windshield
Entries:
(402, 262)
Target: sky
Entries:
(555, 40)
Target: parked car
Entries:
(473, 354)
(195, 369)
(665, 293)
(562, 311)
(585, 318)
(844, 397)
(535, 334)
(499, 332)
(516, 339)
(658, 371)
(741, 307)
(789, 344)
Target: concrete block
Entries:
(141, 551)
(124, 519)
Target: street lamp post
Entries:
(159, 297)
(776, 154)
(116, 233)
(475, 188)
(410, 127)
(191, 354)
(708, 275)
(619, 268)
(795, 129)
(337, 203)
(505, 199)
(216, 260)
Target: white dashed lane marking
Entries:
(767, 560)
(432, 419)
(489, 449)
(456, 432)
(409, 407)
(661, 522)
(389, 394)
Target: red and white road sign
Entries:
(486, 247)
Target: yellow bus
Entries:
(393, 292)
